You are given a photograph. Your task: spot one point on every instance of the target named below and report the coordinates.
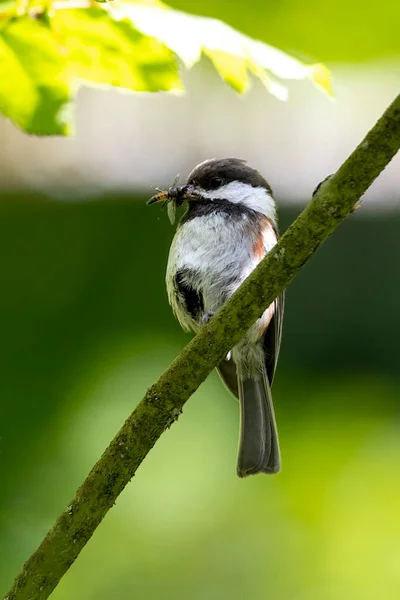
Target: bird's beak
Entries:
(179, 194)
(189, 192)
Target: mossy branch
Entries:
(163, 402)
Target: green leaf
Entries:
(108, 52)
(43, 59)
(189, 36)
(339, 31)
(34, 81)
(233, 69)
(45, 55)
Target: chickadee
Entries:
(228, 227)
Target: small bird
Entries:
(229, 225)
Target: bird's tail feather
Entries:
(258, 443)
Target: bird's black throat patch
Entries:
(205, 207)
(193, 299)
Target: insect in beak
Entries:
(178, 194)
(174, 197)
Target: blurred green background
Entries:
(86, 328)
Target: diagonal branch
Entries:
(163, 402)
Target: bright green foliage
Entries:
(331, 31)
(34, 80)
(232, 53)
(105, 51)
(46, 54)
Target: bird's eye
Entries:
(215, 182)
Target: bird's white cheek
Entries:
(255, 198)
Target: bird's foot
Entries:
(206, 317)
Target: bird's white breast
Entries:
(205, 243)
(216, 254)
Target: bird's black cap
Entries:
(216, 172)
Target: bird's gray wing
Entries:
(227, 372)
(271, 344)
(272, 338)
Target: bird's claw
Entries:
(206, 317)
